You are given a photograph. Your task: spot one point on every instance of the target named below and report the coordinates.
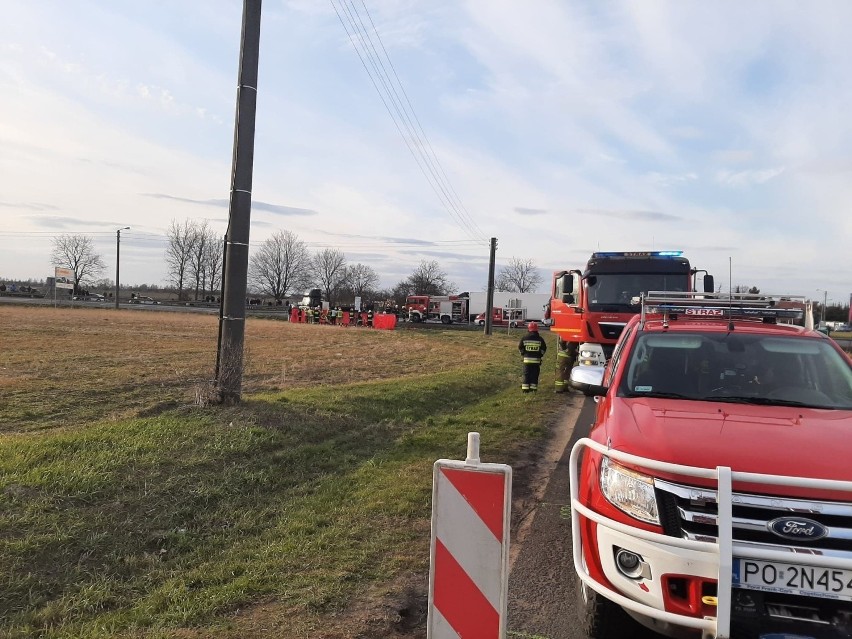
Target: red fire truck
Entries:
(436, 308)
(590, 308)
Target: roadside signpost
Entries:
(469, 554)
(62, 278)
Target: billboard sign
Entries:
(64, 278)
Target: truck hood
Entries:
(778, 440)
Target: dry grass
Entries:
(56, 364)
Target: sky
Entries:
(559, 127)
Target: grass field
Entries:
(130, 509)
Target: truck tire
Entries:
(600, 618)
(446, 319)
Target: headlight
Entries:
(591, 355)
(629, 491)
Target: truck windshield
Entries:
(731, 367)
(619, 292)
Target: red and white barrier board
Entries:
(469, 556)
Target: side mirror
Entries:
(588, 380)
(708, 284)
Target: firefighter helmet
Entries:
(533, 327)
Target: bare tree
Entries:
(401, 291)
(197, 264)
(77, 252)
(361, 280)
(181, 245)
(280, 265)
(213, 254)
(741, 288)
(429, 279)
(329, 270)
(519, 276)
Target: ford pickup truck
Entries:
(713, 495)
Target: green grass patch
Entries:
(148, 527)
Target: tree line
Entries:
(280, 267)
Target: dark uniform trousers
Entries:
(565, 358)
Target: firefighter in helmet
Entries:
(532, 347)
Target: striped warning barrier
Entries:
(469, 556)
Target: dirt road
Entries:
(541, 582)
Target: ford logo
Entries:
(797, 528)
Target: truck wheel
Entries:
(446, 320)
(602, 619)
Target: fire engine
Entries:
(506, 316)
(436, 308)
(590, 308)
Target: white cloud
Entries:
(748, 177)
(664, 179)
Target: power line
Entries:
(390, 88)
(423, 160)
(419, 125)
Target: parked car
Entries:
(93, 297)
(714, 491)
(142, 299)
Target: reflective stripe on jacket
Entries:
(533, 347)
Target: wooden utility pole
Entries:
(489, 298)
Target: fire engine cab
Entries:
(590, 308)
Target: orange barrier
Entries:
(385, 321)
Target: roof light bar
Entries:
(694, 305)
(637, 254)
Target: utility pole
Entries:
(117, 248)
(489, 298)
(229, 376)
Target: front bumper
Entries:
(699, 564)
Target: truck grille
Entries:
(691, 513)
(611, 330)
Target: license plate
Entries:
(811, 581)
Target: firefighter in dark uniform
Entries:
(532, 347)
(565, 358)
